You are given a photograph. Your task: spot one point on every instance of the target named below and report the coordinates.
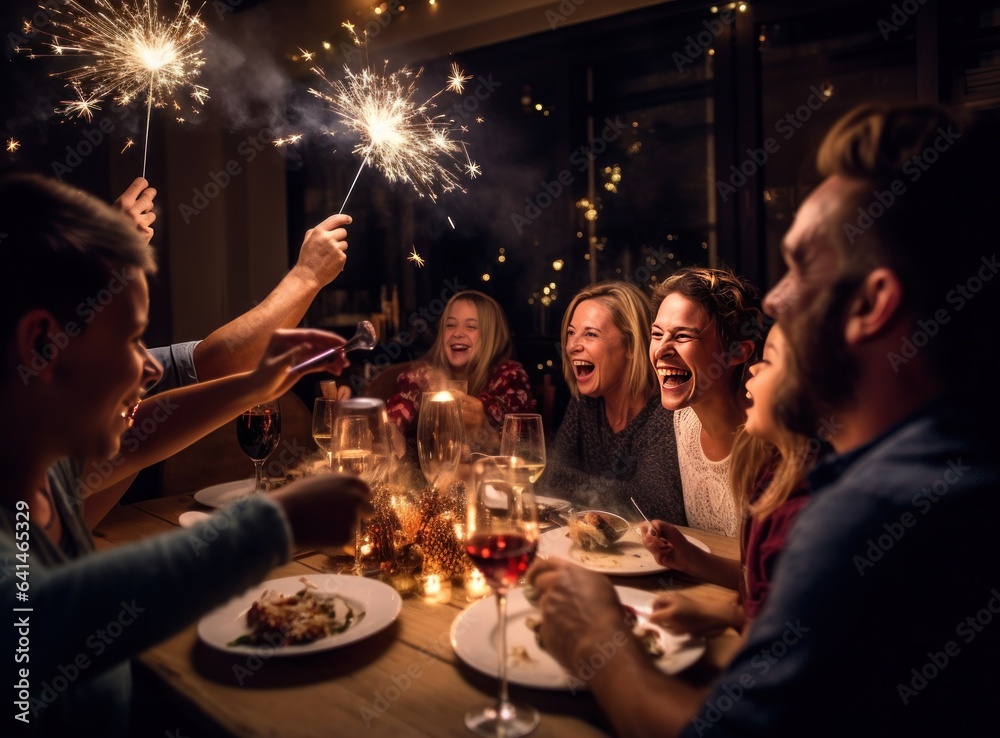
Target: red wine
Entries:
(258, 433)
(502, 558)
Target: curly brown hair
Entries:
(730, 300)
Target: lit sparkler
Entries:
(131, 49)
(13, 145)
(397, 132)
(415, 257)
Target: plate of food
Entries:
(549, 505)
(624, 556)
(298, 615)
(474, 637)
(220, 495)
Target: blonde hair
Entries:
(791, 459)
(494, 339)
(730, 301)
(629, 309)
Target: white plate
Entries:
(474, 636)
(220, 495)
(627, 558)
(554, 503)
(192, 518)
(378, 603)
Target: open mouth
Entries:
(671, 377)
(583, 369)
(459, 348)
(128, 414)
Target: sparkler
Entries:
(398, 133)
(130, 49)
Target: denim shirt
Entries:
(875, 623)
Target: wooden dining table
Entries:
(403, 681)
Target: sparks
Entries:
(451, 223)
(294, 138)
(398, 135)
(82, 107)
(307, 55)
(13, 145)
(130, 49)
(473, 169)
(129, 143)
(457, 79)
(479, 119)
(415, 258)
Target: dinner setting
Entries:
(543, 368)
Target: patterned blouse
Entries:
(507, 391)
(596, 468)
(708, 501)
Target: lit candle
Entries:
(475, 586)
(436, 589)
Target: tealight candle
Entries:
(436, 589)
(475, 586)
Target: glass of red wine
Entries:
(258, 430)
(501, 534)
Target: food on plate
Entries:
(288, 620)
(592, 529)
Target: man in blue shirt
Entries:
(881, 618)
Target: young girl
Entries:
(473, 344)
(769, 463)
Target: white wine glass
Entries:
(522, 436)
(322, 426)
(258, 430)
(440, 435)
(352, 445)
(501, 534)
(380, 463)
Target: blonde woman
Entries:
(473, 344)
(616, 440)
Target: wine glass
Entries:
(501, 534)
(522, 436)
(258, 430)
(322, 426)
(440, 435)
(352, 445)
(378, 444)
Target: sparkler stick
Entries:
(349, 191)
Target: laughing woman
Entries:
(472, 344)
(616, 441)
(707, 330)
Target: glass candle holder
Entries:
(435, 588)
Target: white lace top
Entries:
(707, 500)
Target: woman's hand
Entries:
(670, 548)
(680, 615)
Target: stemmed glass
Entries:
(522, 436)
(364, 441)
(258, 430)
(440, 435)
(322, 426)
(501, 534)
(352, 445)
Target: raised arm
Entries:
(236, 346)
(173, 420)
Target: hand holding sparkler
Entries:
(324, 250)
(137, 203)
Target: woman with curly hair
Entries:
(707, 330)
